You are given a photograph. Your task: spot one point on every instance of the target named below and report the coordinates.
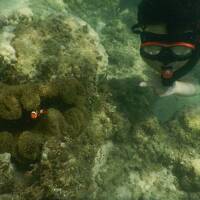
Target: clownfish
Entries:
(35, 114)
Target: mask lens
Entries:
(181, 50)
(152, 50)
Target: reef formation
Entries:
(101, 136)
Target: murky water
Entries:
(75, 123)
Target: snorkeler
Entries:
(170, 42)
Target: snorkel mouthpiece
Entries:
(167, 74)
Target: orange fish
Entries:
(35, 114)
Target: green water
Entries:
(74, 122)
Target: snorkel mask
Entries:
(169, 48)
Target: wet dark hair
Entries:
(174, 13)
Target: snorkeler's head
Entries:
(169, 31)
(175, 14)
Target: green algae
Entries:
(7, 142)
(29, 146)
(99, 140)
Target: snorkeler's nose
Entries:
(166, 62)
(167, 65)
(166, 57)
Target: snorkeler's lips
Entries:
(167, 73)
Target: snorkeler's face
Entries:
(163, 54)
(173, 51)
(157, 29)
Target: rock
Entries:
(9, 197)
(195, 163)
(7, 143)
(6, 173)
(191, 119)
(59, 46)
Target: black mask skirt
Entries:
(167, 49)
